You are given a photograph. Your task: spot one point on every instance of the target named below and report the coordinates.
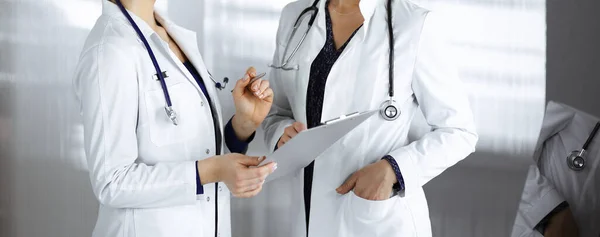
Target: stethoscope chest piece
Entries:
(575, 160)
(389, 111)
(172, 115)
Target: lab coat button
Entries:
(207, 151)
(208, 199)
(220, 188)
(201, 103)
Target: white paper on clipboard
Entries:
(309, 144)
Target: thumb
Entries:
(348, 185)
(241, 84)
(251, 160)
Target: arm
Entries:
(236, 143)
(561, 223)
(542, 210)
(446, 108)
(107, 88)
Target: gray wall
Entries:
(573, 64)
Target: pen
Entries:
(259, 76)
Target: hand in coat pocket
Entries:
(373, 182)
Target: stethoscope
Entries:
(576, 160)
(388, 110)
(160, 75)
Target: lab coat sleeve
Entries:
(539, 198)
(234, 144)
(107, 87)
(281, 115)
(445, 105)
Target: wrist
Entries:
(208, 170)
(388, 171)
(243, 128)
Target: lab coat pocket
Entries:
(167, 221)
(369, 210)
(387, 218)
(186, 104)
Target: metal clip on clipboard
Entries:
(340, 118)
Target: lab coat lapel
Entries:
(187, 42)
(556, 119)
(342, 80)
(190, 48)
(314, 42)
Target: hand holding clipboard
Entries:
(309, 144)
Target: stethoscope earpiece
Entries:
(222, 86)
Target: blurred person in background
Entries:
(561, 196)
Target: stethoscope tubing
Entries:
(391, 44)
(159, 74)
(388, 110)
(315, 11)
(591, 137)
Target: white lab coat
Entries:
(359, 82)
(565, 129)
(538, 199)
(142, 167)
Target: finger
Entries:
(299, 127)
(251, 193)
(240, 85)
(291, 131)
(284, 138)
(348, 185)
(255, 86)
(250, 173)
(251, 71)
(268, 95)
(251, 161)
(263, 171)
(248, 185)
(262, 87)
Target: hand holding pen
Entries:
(252, 97)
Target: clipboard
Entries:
(305, 147)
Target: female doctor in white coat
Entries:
(341, 67)
(157, 175)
